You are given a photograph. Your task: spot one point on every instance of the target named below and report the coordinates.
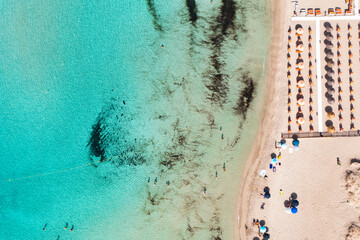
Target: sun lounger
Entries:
(331, 12)
(317, 12)
(338, 11)
(310, 12)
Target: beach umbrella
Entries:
(301, 102)
(329, 46)
(329, 28)
(262, 229)
(300, 65)
(330, 54)
(330, 82)
(331, 115)
(267, 195)
(331, 129)
(300, 47)
(266, 236)
(330, 64)
(301, 84)
(329, 37)
(274, 161)
(288, 210)
(331, 100)
(296, 148)
(294, 210)
(295, 203)
(330, 73)
(299, 31)
(331, 91)
(284, 146)
(301, 120)
(263, 172)
(296, 142)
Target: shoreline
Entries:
(264, 131)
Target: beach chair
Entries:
(331, 12)
(310, 12)
(317, 12)
(338, 11)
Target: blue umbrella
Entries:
(267, 195)
(295, 203)
(263, 229)
(294, 210)
(296, 142)
(274, 161)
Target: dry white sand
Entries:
(328, 193)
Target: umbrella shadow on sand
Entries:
(293, 196)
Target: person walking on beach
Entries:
(281, 192)
(338, 161)
(262, 205)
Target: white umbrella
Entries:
(263, 172)
(296, 148)
(284, 146)
(288, 210)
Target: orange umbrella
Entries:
(301, 121)
(300, 65)
(331, 129)
(301, 84)
(301, 102)
(331, 115)
(300, 48)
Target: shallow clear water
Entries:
(151, 89)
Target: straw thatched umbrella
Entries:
(331, 115)
(330, 82)
(330, 55)
(331, 129)
(331, 100)
(300, 65)
(329, 28)
(330, 64)
(329, 37)
(330, 73)
(329, 46)
(330, 91)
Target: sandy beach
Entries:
(326, 189)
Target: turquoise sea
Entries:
(99, 97)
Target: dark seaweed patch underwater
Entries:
(190, 106)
